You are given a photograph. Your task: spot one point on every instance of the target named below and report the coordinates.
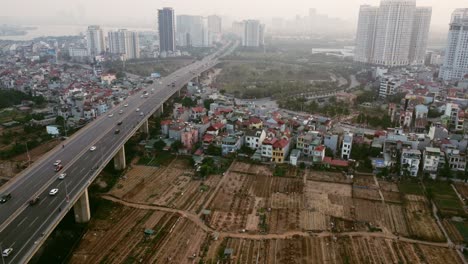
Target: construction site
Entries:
(247, 215)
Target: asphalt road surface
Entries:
(24, 227)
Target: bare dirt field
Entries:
(170, 186)
(123, 240)
(462, 189)
(326, 176)
(421, 224)
(261, 218)
(329, 250)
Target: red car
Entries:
(58, 167)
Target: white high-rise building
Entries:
(95, 40)
(192, 31)
(365, 35)
(456, 55)
(419, 36)
(124, 42)
(393, 34)
(214, 29)
(253, 34)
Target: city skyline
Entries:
(87, 11)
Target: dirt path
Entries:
(196, 220)
(220, 183)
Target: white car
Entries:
(110, 115)
(138, 110)
(126, 105)
(57, 162)
(93, 148)
(53, 191)
(62, 176)
(7, 252)
(141, 113)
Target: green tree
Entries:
(176, 145)
(59, 120)
(207, 102)
(159, 145)
(188, 102)
(120, 75)
(446, 171)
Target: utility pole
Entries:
(27, 152)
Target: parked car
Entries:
(119, 123)
(110, 115)
(93, 148)
(121, 112)
(62, 176)
(34, 200)
(7, 252)
(117, 131)
(138, 110)
(5, 198)
(57, 162)
(53, 191)
(126, 105)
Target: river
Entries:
(62, 30)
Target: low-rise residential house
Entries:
(231, 144)
(165, 124)
(189, 137)
(255, 123)
(254, 138)
(410, 159)
(180, 113)
(280, 150)
(307, 142)
(346, 146)
(196, 113)
(215, 128)
(107, 78)
(456, 159)
(331, 141)
(267, 148)
(431, 157)
(318, 154)
(175, 131)
(294, 157)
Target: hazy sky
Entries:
(86, 11)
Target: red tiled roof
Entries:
(336, 162)
(208, 138)
(269, 141)
(281, 143)
(320, 148)
(198, 109)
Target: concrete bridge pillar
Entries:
(159, 111)
(81, 208)
(119, 159)
(145, 127)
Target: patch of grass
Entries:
(160, 159)
(445, 198)
(410, 187)
(462, 227)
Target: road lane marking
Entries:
(32, 223)
(22, 221)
